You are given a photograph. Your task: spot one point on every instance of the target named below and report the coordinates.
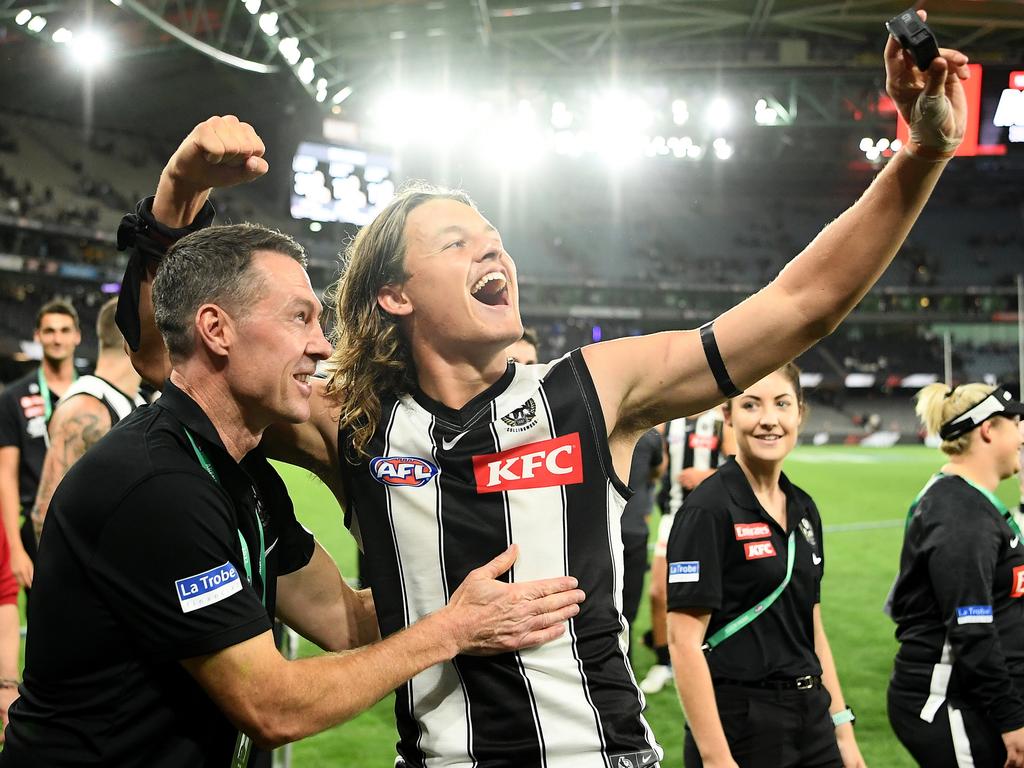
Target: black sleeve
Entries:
(962, 562)
(166, 563)
(295, 545)
(819, 532)
(10, 425)
(695, 555)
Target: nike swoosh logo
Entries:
(1013, 542)
(449, 444)
(646, 760)
(815, 559)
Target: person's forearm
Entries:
(320, 692)
(10, 510)
(10, 641)
(834, 272)
(697, 695)
(177, 204)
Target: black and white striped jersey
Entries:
(695, 441)
(445, 491)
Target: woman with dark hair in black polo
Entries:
(752, 662)
(956, 697)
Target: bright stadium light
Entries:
(288, 47)
(561, 117)
(866, 143)
(341, 95)
(896, 145)
(765, 115)
(89, 49)
(723, 149)
(36, 24)
(116, 2)
(306, 71)
(680, 112)
(23, 16)
(882, 145)
(252, 6)
(62, 35)
(719, 113)
(268, 23)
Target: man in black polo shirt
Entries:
(25, 409)
(172, 544)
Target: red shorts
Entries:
(8, 584)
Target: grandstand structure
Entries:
(604, 249)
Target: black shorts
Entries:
(773, 729)
(955, 736)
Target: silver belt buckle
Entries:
(805, 683)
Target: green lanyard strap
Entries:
(992, 499)
(750, 614)
(243, 744)
(44, 390)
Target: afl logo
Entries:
(402, 470)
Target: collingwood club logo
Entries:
(808, 531)
(522, 418)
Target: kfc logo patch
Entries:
(1018, 582)
(708, 442)
(751, 531)
(546, 464)
(402, 470)
(755, 550)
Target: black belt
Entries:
(805, 683)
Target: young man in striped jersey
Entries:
(441, 452)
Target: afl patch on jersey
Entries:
(684, 571)
(208, 587)
(751, 530)
(544, 464)
(402, 470)
(755, 550)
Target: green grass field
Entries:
(854, 487)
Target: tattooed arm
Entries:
(75, 427)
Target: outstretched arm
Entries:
(645, 380)
(75, 427)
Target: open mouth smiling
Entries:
(492, 290)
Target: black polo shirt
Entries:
(23, 409)
(140, 566)
(957, 604)
(725, 554)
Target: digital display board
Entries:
(341, 184)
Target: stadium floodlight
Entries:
(680, 112)
(896, 145)
(23, 16)
(315, 226)
(873, 154)
(268, 23)
(288, 47)
(36, 24)
(561, 117)
(866, 143)
(341, 95)
(252, 6)
(719, 113)
(694, 152)
(116, 2)
(89, 49)
(723, 149)
(62, 35)
(882, 145)
(765, 115)
(306, 71)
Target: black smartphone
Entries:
(915, 36)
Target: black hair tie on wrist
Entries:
(715, 362)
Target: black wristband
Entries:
(148, 240)
(715, 362)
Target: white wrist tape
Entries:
(927, 119)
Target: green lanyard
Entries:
(243, 744)
(750, 614)
(994, 500)
(44, 390)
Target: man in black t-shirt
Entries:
(171, 545)
(25, 409)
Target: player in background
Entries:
(525, 350)
(695, 445)
(88, 409)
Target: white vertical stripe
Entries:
(537, 522)
(939, 684)
(961, 744)
(438, 700)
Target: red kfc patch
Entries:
(1018, 582)
(755, 550)
(710, 442)
(546, 464)
(751, 531)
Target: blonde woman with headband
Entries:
(956, 697)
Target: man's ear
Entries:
(985, 431)
(215, 329)
(393, 300)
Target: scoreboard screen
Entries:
(342, 184)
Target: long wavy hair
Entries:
(371, 354)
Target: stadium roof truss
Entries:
(802, 54)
